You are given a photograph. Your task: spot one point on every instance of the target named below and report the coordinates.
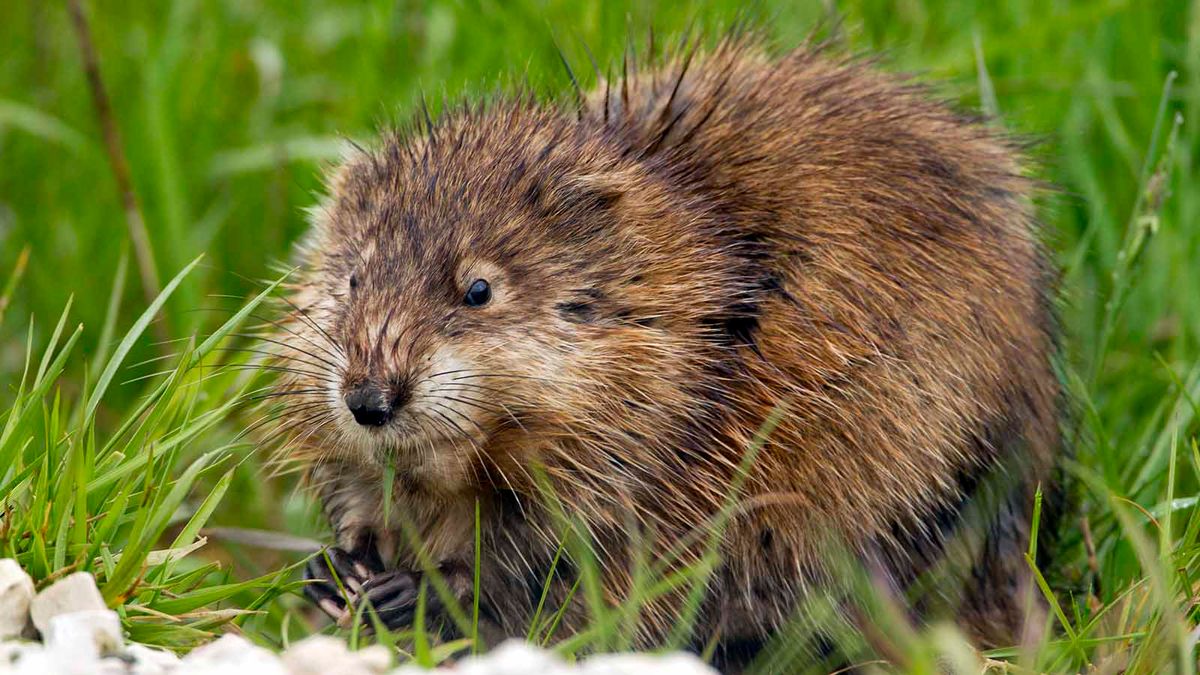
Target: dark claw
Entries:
(393, 597)
(348, 584)
(333, 565)
(383, 587)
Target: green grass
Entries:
(227, 107)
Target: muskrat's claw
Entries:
(392, 597)
(336, 578)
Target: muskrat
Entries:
(591, 311)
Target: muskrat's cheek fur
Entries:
(442, 395)
(716, 238)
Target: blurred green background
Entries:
(227, 108)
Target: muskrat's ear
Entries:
(599, 190)
(589, 203)
(588, 192)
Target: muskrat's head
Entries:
(504, 289)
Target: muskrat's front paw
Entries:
(392, 597)
(336, 578)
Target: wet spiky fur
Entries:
(690, 248)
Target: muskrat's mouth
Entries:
(406, 434)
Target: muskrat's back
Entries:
(900, 313)
(799, 256)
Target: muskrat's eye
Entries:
(478, 294)
(353, 281)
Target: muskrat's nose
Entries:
(369, 405)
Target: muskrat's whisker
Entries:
(460, 385)
(269, 354)
(172, 341)
(197, 310)
(210, 373)
(500, 407)
(466, 399)
(447, 420)
(256, 336)
(254, 367)
(153, 359)
(286, 329)
(473, 404)
(316, 427)
(311, 321)
(437, 408)
(148, 376)
(514, 398)
(470, 421)
(458, 381)
(294, 411)
(280, 394)
(472, 386)
(446, 372)
(271, 417)
(518, 405)
(500, 376)
(418, 419)
(317, 423)
(301, 423)
(282, 324)
(429, 434)
(474, 466)
(503, 476)
(258, 390)
(266, 321)
(440, 428)
(491, 406)
(276, 368)
(285, 449)
(284, 408)
(276, 390)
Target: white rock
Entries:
(518, 658)
(145, 660)
(637, 664)
(108, 667)
(74, 593)
(31, 658)
(26, 657)
(84, 636)
(13, 652)
(513, 657)
(322, 654)
(229, 655)
(101, 667)
(16, 592)
(376, 658)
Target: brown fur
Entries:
(705, 242)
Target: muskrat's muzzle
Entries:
(371, 404)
